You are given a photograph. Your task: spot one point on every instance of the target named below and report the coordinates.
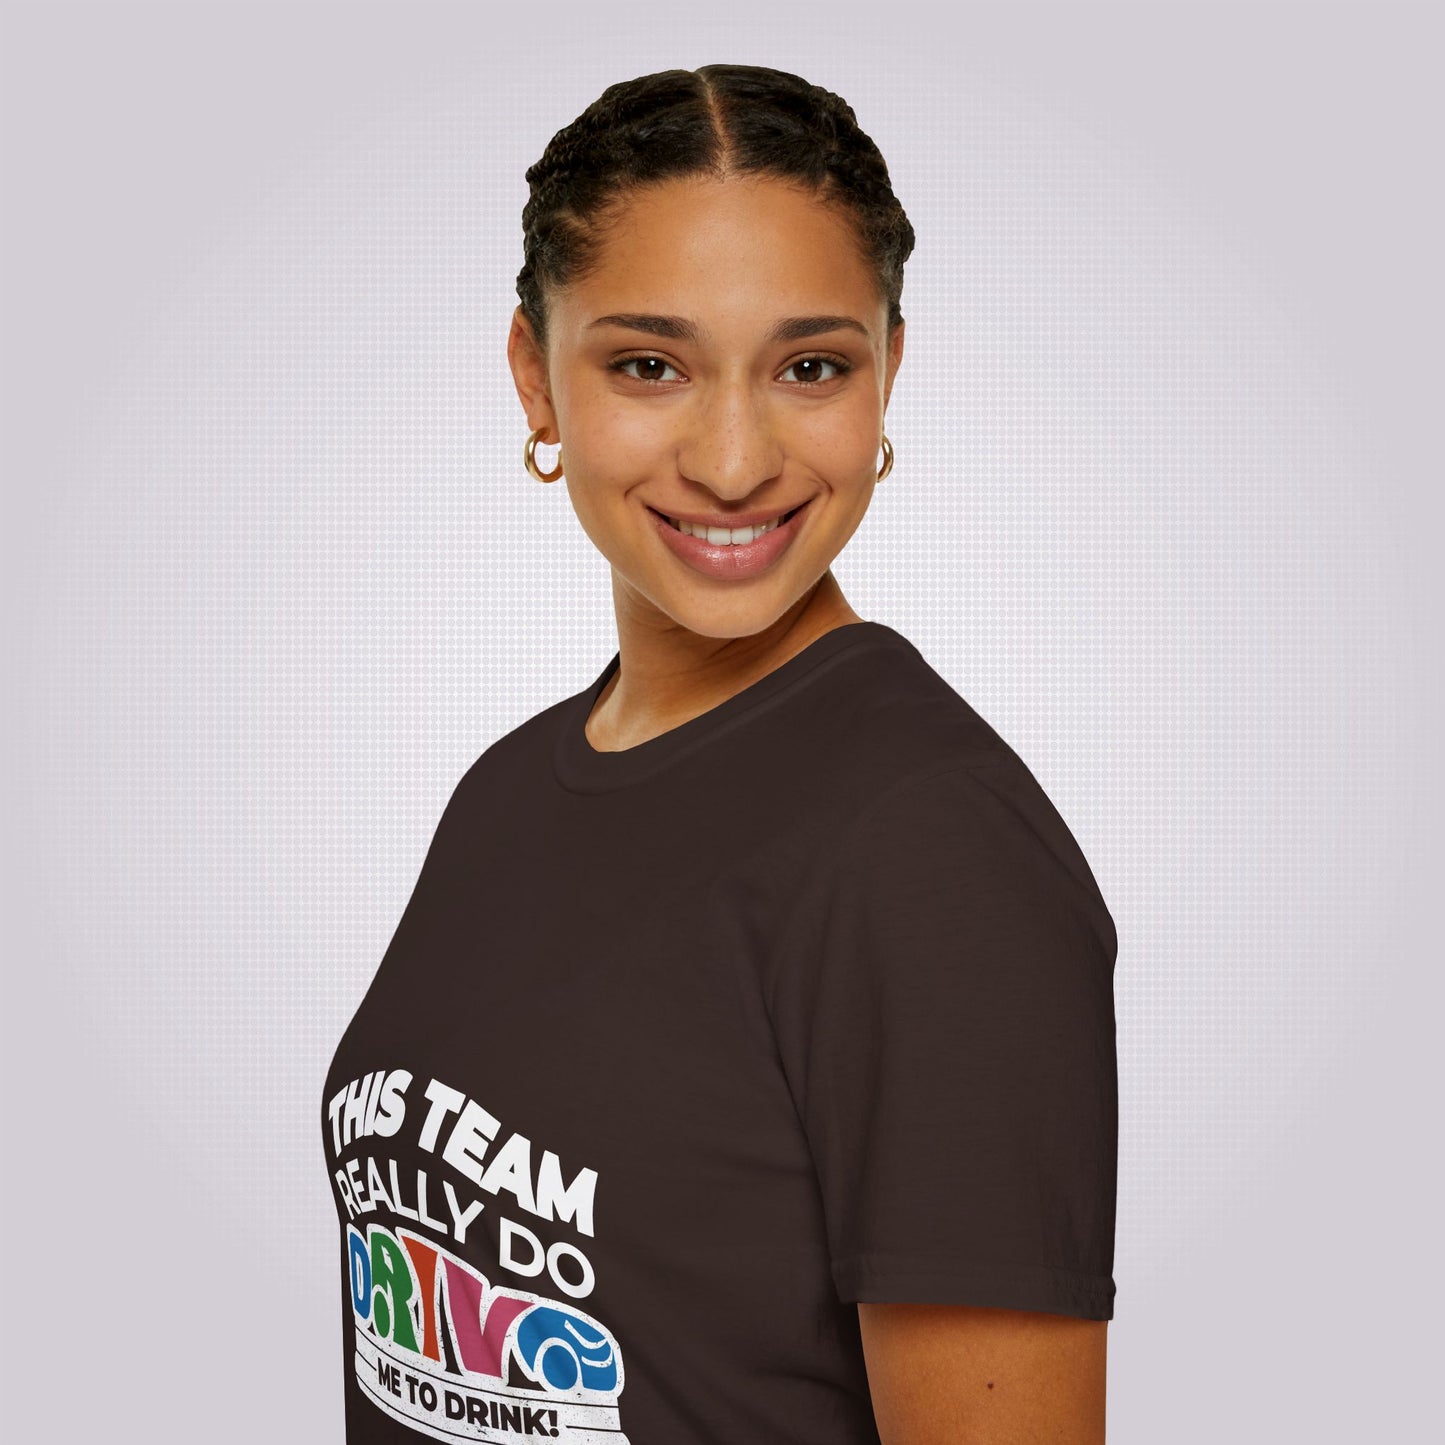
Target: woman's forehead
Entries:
(707, 250)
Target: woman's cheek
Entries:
(605, 416)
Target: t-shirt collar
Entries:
(581, 768)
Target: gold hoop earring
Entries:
(529, 458)
(887, 457)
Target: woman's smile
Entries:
(732, 551)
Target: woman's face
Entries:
(728, 362)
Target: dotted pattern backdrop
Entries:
(1161, 511)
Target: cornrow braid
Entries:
(719, 120)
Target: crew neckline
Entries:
(581, 768)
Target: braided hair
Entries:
(719, 120)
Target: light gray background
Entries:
(1166, 510)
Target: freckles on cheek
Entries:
(621, 450)
(837, 434)
(647, 430)
(833, 463)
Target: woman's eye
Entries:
(812, 363)
(653, 367)
(653, 370)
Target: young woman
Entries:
(742, 1070)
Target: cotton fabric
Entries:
(679, 1052)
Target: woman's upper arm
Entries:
(948, 1036)
(944, 1374)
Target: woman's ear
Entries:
(529, 373)
(895, 356)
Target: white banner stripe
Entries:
(576, 1420)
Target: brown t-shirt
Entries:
(680, 1051)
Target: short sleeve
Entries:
(946, 1025)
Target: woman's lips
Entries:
(729, 561)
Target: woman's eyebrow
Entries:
(679, 328)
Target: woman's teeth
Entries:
(725, 536)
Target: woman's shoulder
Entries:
(912, 759)
(895, 716)
(511, 762)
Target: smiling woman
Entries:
(733, 416)
(765, 932)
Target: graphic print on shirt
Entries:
(455, 1351)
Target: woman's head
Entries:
(684, 236)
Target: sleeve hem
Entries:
(900, 1279)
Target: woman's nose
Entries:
(730, 443)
